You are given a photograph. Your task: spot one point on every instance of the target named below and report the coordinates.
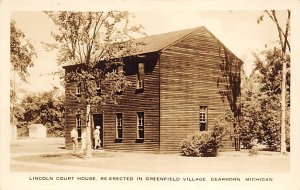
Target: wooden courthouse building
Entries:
(184, 80)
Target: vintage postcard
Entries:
(149, 95)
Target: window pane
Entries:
(140, 76)
(141, 69)
(120, 133)
(98, 89)
(79, 132)
(141, 134)
(78, 125)
(202, 126)
(78, 89)
(140, 125)
(119, 68)
(119, 127)
(139, 83)
(202, 118)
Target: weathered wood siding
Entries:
(190, 77)
(129, 104)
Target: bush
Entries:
(205, 144)
(208, 143)
(253, 150)
(22, 129)
(55, 130)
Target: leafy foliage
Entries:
(284, 35)
(207, 143)
(261, 101)
(90, 37)
(46, 108)
(21, 51)
(95, 42)
(249, 128)
(22, 54)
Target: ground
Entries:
(49, 155)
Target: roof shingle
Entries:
(157, 42)
(160, 41)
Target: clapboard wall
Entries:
(129, 102)
(191, 76)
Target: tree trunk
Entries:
(13, 123)
(88, 132)
(283, 109)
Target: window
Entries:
(78, 90)
(78, 125)
(140, 125)
(140, 76)
(98, 89)
(120, 69)
(203, 118)
(119, 125)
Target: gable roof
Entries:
(158, 42)
(155, 43)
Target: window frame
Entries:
(139, 83)
(203, 117)
(119, 127)
(98, 89)
(120, 69)
(78, 90)
(140, 127)
(78, 123)
(140, 77)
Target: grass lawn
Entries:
(144, 162)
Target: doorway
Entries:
(98, 121)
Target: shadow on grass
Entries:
(50, 155)
(60, 157)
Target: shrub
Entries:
(208, 143)
(205, 144)
(22, 129)
(253, 150)
(55, 130)
(189, 146)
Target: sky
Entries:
(237, 30)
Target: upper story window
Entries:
(203, 118)
(78, 90)
(98, 89)
(120, 69)
(117, 69)
(140, 76)
(140, 125)
(119, 125)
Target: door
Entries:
(98, 121)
